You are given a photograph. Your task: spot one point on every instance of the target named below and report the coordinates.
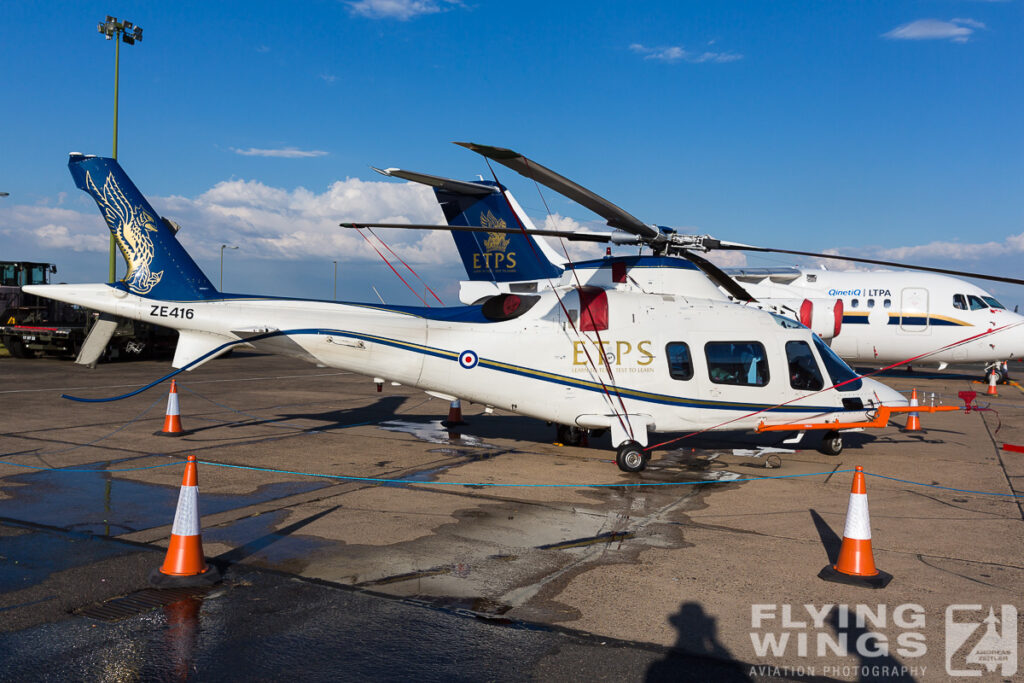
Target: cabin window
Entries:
(887, 303)
(854, 303)
(680, 366)
(871, 303)
(803, 369)
(960, 302)
(737, 363)
(976, 302)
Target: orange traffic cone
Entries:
(454, 414)
(992, 384)
(913, 419)
(184, 564)
(172, 421)
(856, 565)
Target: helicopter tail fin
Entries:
(497, 257)
(158, 266)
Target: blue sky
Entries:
(885, 128)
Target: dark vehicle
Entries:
(31, 325)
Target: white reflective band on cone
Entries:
(858, 523)
(186, 517)
(172, 404)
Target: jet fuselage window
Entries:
(887, 303)
(737, 363)
(803, 369)
(854, 303)
(960, 302)
(871, 303)
(680, 366)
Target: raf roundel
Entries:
(468, 359)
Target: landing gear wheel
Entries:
(569, 435)
(832, 443)
(630, 457)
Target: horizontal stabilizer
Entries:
(193, 345)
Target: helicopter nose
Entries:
(883, 393)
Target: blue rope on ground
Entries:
(382, 480)
(944, 488)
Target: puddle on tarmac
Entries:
(434, 432)
(99, 503)
(32, 555)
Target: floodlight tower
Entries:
(115, 30)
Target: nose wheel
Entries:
(832, 443)
(631, 457)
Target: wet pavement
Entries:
(360, 538)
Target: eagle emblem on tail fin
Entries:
(131, 227)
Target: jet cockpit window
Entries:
(976, 302)
(960, 302)
(993, 303)
(737, 363)
(680, 366)
(803, 369)
(837, 369)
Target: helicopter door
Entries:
(914, 309)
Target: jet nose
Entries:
(885, 394)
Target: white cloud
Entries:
(955, 30)
(265, 222)
(675, 53)
(328, 78)
(403, 10)
(284, 152)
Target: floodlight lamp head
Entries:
(127, 25)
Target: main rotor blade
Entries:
(457, 186)
(616, 216)
(719, 276)
(876, 262)
(573, 236)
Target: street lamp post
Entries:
(222, 248)
(112, 29)
(335, 280)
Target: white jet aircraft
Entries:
(594, 357)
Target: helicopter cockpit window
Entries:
(993, 303)
(976, 302)
(960, 302)
(803, 369)
(737, 363)
(8, 276)
(679, 364)
(837, 369)
(786, 323)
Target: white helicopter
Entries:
(594, 357)
(867, 317)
